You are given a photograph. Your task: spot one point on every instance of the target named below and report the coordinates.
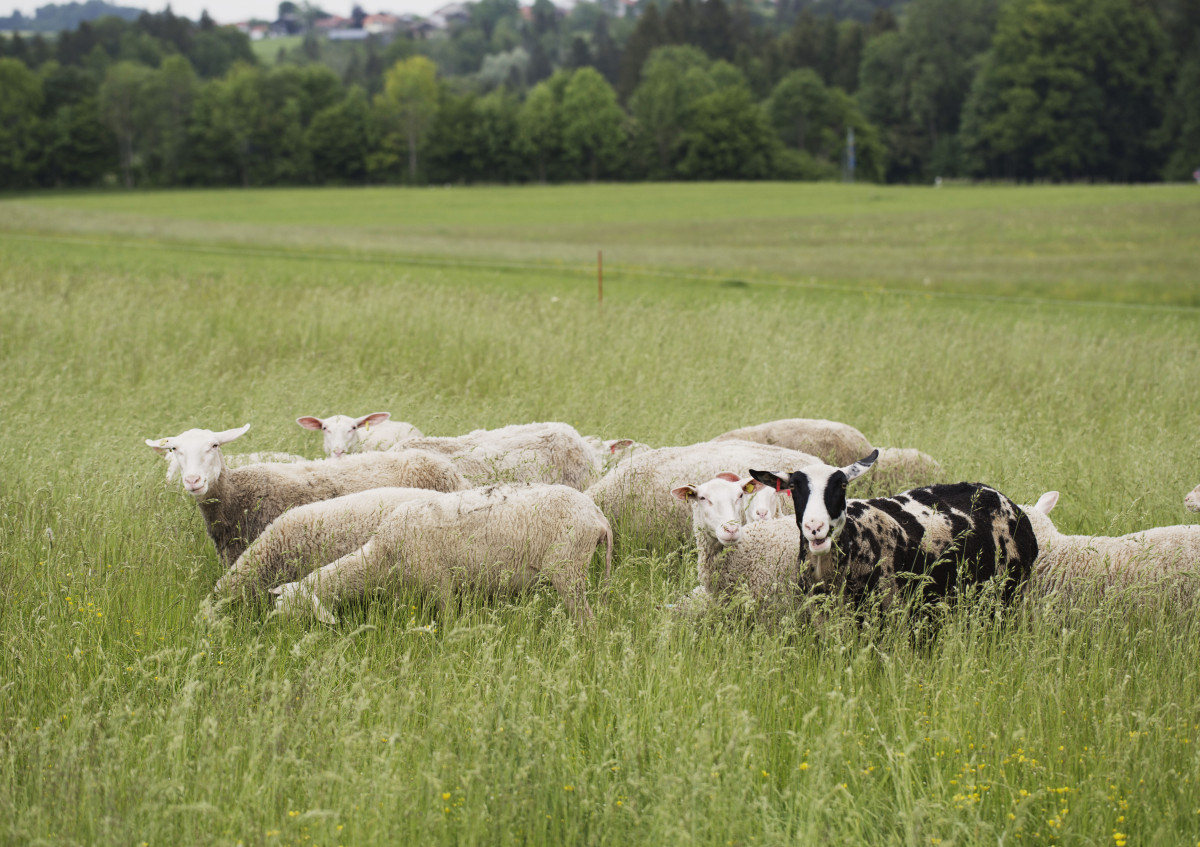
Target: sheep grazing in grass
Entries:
(552, 453)
(607, 454)
(760, 557)
(240, 460)
(829, 440)
(902, 468)
(636, 496)
(306, 537)
(498, 540)
(1192, 501)
(238, 503)
(938, 536)
(345, 435)
(1166, 557)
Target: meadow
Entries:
(1032, 338)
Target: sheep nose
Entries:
(762, 513)
(815, 527)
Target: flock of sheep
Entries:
(495, 511)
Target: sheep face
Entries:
(1192, 501)
(819, 495)
(764, 504)
(343, 434)
(718, 506)
(196, 456)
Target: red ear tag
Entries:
(776, 486)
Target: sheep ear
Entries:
(374, 419)
(159, 445)
(230, 434)
(309, 422)
(773, 479)
(277, 590)
(684, 492)
(861, 466)
(620, 444)
(729, 477)
(752, 485)
(1047, 502)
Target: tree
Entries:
(164, 107)
(337, 139)
(800, 110)
(409, 103)
(605, 55)
(1071, 89)
(540, 125)
(728, 138)
(19, 108)
(119, 98)
(673, 79)
(648, 35)
(593, 130)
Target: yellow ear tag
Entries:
(162, 442)
(367, 427)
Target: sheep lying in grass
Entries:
(345, 435)
(607, 454)
(552, 453)
(240, 460)
(760, 557)
(237, 504)
(902, 468)
(1164, 557)
(497, 540)
(1192, 501)
(636, 496)
(306, 537)
(936, 536)
(830, 440)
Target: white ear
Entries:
(230, 434)
(374, 419)
(684, 492)
(1047, 502)
(620, 444)
(158, 445)
(861, 466)
(729, 477)
(309, 422)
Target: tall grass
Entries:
(127, 718)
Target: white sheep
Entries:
(636, 496)
(1166, 556)
(240, 460)
(760, 557)
(498, 540)
(237, 504)
(830, 440)
(608, 453)
(553, 453)
(345, 435)
(902, 468)
(1192, 501)
(306, 537)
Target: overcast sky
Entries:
(231, 11)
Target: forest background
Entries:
(1023, 90)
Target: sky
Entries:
(232, 11)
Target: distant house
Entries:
(382, 24)
(324, 25)
(348, 34)
(255, 31)
(454, 13)
(288, 24)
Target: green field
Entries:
(1031, 338)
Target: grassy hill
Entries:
(1034, 339)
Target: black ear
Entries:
(778, 480)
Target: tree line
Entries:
(1103, 90)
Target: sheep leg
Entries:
(571, 582)
(347, 575)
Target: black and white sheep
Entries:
(935, 535)
(238, 503)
